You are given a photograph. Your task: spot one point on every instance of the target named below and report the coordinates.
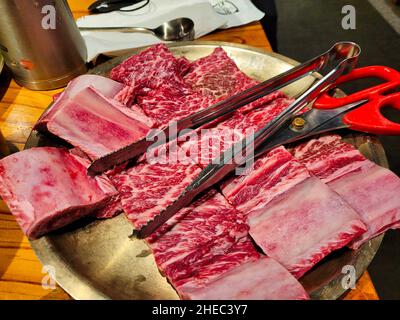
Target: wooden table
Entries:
(20, 271)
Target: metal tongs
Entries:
(343, 56)
(339, 60)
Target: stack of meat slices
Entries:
(248, 238)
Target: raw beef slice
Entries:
(113, 206)
(150, 69)
(148, 188)
(218, 77)
(240, 252)
(262, 279)
(271, 175)
(208, 227)
(294, 217)
(107, 87)
(92, 124)
(48, 188)
(371, 190)
(166, 104)
(206, 247)
(207, 144)
(301, 226)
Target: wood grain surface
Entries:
(21, 273)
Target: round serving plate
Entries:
(98, 260)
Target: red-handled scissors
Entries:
(368, 116)
(359, 111)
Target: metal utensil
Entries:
(43, 50)
(359, 111)
(179, 29)
(343, 56)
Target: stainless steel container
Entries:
(41, 43)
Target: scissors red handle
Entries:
(368, 117)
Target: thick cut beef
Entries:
(240, 252)
(151, 68)
(329, 158)
(148, 188)
(294, 217)
(271, 175)
(218, 77)
(92, 124)
(113, 206)
(370, 189)
(107, 87)
(48, 188)
(301, 226)
(262, 279)
(208, 227)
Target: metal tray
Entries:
(97, 259)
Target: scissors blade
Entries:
(311, 123)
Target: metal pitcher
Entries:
(41, 43)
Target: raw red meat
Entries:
(272, 175)
(94, 125)
(329, 158)
(262, 279)
(134, 111)
(206, 245)
(166, 104)
(208, 144)
(370, 189)
(279, 191)
(48, 188)
(218, 77)
(147, 188)
(107, 87)
(113, 206)
(208, 227)
(174, 99)
(301, 226)
(241, 252)
(205, 250)
(151, 68)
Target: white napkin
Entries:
(207, 15)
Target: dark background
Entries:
(301, 29)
